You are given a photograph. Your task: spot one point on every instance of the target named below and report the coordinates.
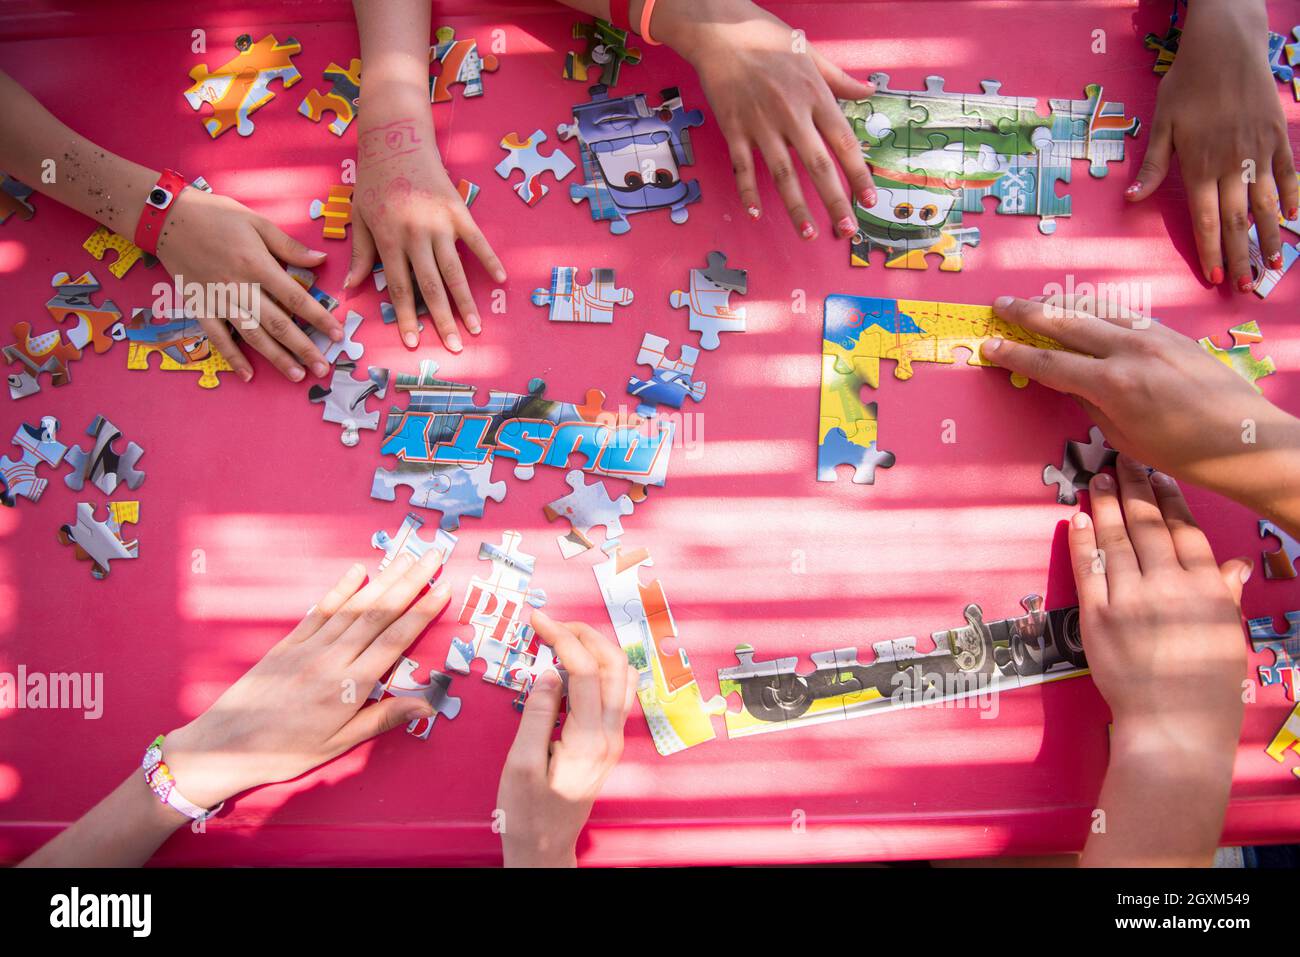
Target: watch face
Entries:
(159, 197)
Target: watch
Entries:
(157, 204)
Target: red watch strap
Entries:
(619, 13)
(156, 207)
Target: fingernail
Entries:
(807, 230)
(431, 558)
(453, 342)
(1002, 302)
(1249, 568)
(1102, 481)
(867, 196)
(471, 323)
(246, 375)
(296, 374)
(1080, 520)
(1216, 275)
(1160, 478)
(499, 275)
(753, 212)
(847, 225)
(1134, 187)
(991, 346)
(315, 252)
(347, 282)
(336, 334)
(1245, 284)
(411, 339)
(547, 680)
(1275, 260)
(320, 369)
(442, 592)
(1292, 213)
(417, 711)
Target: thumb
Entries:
(363, 254)
(287, 249)
(1155, 164)
(842, 85)
(379, 717)
(1236, 572)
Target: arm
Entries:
(207, 238)
(773, 92)
(406, 210)
(1159, 397)
(297, 708)
(1218, 109)
(1161, 625)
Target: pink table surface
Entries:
(252, 478)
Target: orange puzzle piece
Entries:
(240, 87)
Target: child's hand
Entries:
(407, 210)
(212, 239)
(548, 787)
(771, 91)
(301, 705)
(1218, 109)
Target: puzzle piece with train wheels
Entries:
(128, 253)
(101, 543)
(455, 490)
(344, 399)
(606, 48)
(570, 302)
(342, 99)
(494, 608)
(522, 155)
(460, 62)
(401, 682)
(632, 154)
(1283, 563)
(38, 444)
(103, 465)
(181, 342)
(671, 381)
(241, 86)
(1238, 357)
(47, 352)
(675, 709)
(1082, 460)
(15, 197)
(1287, 739)
(97, 326)
(408, 540)
(1285, 648)
(335, 210)
(708, 300)
(589, 505)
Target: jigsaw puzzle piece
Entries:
(1239, 357)
(401, 682)
(1082, 460)
(460, 63)
(335, 210)
(455, 490)
(241, 86)
(1267, 278)
(103, 466)
(1283, 563)
(97, 326)
(522, 156)
(1287, 739)
(671, 381)
(47, 352)
(1097, 128)
(14, 198)
(345, 398)
(343, 98)
(181, 342)
(587, 506)
(347, 346)
(128, 253)
(101, 542)
(409, 541)
(38, 444)
(1285, 648)
(570, 302)
(606, 48)
(708, 300)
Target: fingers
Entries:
(841, 84)
(455, 282)
(1285, 177)
(613, 665)
(1062, 371)
(1264, 210)
(837, 132)
(320, 612)
(1235, 218)
(530, 752)
(1113, 543)
(824, 172)
(1203, 201)
(582, 667)
(1155, 164)
(1191, 546)
(1235, 573)
(353, 608)
(477, 243)
(402, 295)
(219, 337)
(297, 301)
(435, 296)
(742, 165)
(387, 647)
(777, 157)
(1109, 308)
(363, 254)
(1088, 563)
(252, 332)
(285, 248)
(385, 608)
(1074, 330)
(384, 715)
(1142, 517)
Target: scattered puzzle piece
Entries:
(346, 346)
(101, 542)
(336, 211)
(670, 382)
(468, 192)
(241, 86)
(606, 48)
(103, 466)
(14, 198)
(570, 302)
(400, 681)
(342, 99)
(38, 443)
(128, 253)
(345, 397)
(522, 155)
(181, 342)
(1287, 739)
(47, 352)
(1283, 563)
(587, 506)
(1285, 647)
(460, 63)
(408, 540)
(1081, 462)
(97, 326)
(1238, 356)
(708, 301)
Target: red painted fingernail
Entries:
(807, 230)
(846, 226)
(1292, 213)
(753, 211)
(1275, 260)
(1245, 284)
(1216, 275)
(867, 197)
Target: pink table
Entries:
(248, 486)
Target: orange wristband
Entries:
(647, 12)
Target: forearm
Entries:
(123, 830)
(49, 157)
(1206, 17)
(1265, 475)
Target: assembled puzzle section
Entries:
(522, 156)
(241, 86)
(179, 339)
(606, 48)
(459, 63)
(101, 543)
(708, 300)
(569, 302)
(1284, 669)
(671, 381)
(587, 506)
(674, 706)
(401, 682)
(1284, 563)
(103, 466)
(344, 399)
(632, 155)
(494, 608)
(38, 444)
(342, 99)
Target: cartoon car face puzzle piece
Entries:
(606, 48)
(401, 682)
(1284, 670)
(1287, 739)
(128, 253)
(341, 100)
(241, 86)
(1081, 462)
(408, 540)
(97, 326)
(101, 542)
(103, 466)
(1239, 357)
(570, 302)
(14, 198)
(47, 352)
(455, 490)
(522, 155)
(708, 300)
(335, 210)
(345, 398)
(181, 342)
(460, 62)
(632, 155)
(586, 507)
(38, 444)
(671, 381)
(1283, 563)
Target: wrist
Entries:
(1218, 20)
(1199, 752)
(683, 25)
(200, 777)
(538, 854)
